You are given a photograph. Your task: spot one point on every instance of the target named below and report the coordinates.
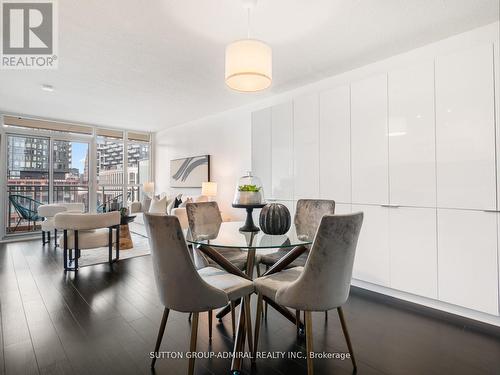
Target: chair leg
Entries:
(233, 318)
(257, 267)
(117, 246)
(189, 317)
(192, 346)
(110, 245)
(258, 316)
(347, 337)
(65, 251)
(55, 238)
(77, 249)
(48, 237)
(248, 321)
(161, 331)
(309, 342)
(210, 318)
(43, 237)
(326, 314)
(265, 302)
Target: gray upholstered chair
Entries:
(48, 211)
(323, 283)
(307, 217)
(308, 214)
(204, 219)
(87, 231)
(180, 286)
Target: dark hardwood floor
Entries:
(103, 321)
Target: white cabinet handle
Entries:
(493, 211)
(390, 205)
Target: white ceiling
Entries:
(148, 65)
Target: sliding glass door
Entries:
(43, 170)
(27, 181)
(104, 169)
(70, 173)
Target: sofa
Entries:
(137, 209)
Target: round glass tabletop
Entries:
(229, 235)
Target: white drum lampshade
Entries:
(209, 189)
(149, 187)
(249, 65)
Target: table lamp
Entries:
(209, 189)
(149, 188)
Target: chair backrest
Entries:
(74, 207)
(308, 215)
(26, 207)
(179, 285)
(325, 281)
(80, 221)
(204, 219)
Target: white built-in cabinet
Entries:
(414, 149)
(335, 144)
(282, 157)
(372, 260)
(465, 129)
(467, 262)
(306, 146)
(413, 250)
(369, 150)
(412, 155)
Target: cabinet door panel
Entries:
(261, 147)
(413, 248)
(282, 151)
(334, 145)
(306, 146)
(467, 262)
(412, 156)
(465, 130)
(372, 262)
(369, 154)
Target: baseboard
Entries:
(475, 321)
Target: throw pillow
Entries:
(158, 206)
(188, 200)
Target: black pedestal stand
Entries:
(249, 225)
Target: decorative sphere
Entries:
(275, 219)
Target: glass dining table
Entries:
(212, 240)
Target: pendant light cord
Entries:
(248, 23)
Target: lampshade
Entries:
(248, 65)
(149, 187)
(209, 189)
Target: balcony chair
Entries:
(26, 209)
(322, 284)
(83, 231)
(181, 287)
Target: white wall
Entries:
(225, 137)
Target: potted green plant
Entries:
(248, 194)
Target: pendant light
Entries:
(248, 61)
